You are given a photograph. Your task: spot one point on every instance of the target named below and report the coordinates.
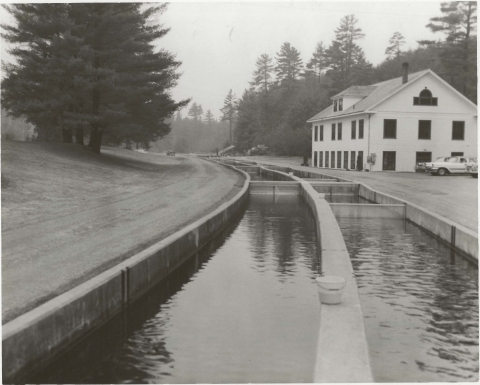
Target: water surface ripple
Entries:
(244, 310)
(420, 302)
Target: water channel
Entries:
(245, 309)
(420, 302)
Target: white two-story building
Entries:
(392, 125)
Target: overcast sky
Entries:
(219, 42)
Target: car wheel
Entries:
(474, 176)
(442, 172)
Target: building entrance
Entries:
(389, 160)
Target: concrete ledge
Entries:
(359, 210)
(335, 187)
(457, 236)
(274, 188)
(342, 354)
(38, 337)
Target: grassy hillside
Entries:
(41, 181)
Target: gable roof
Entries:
(355, 91)
(374, 95)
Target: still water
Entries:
(245, 309)
(420, 302)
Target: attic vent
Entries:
(425, 98)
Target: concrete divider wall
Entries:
(457, 236)
(467, 240)
(342, 354)
(359, 210)
(248, 168)
(38, 337)
(335, 188)
(273, 188)
(275, 175)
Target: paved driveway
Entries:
(454, 197)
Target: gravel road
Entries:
(42, 259)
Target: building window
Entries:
(345, 159)
(333, 131)
(390, 128)
(340, 105)
(321, 133)
(326, 158)
(315, 159)
(339, 159)
(354, 129)
(423, 157)
(424, 129)
(458, 130)
(320, 163)
(315, 137)
(360, 161)
(360, 129)
(425, 99)
(332, 160)
(339, 134)
(334, 106)
(389, 160)
(457, 154)
(352, 160)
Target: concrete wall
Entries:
(342, 354)
(38, 337)
(358, 210)
(274, 188)
(337, 188)
(462, 239)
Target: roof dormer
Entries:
(350, 96)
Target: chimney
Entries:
(404, 73)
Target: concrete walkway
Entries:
(454, 197)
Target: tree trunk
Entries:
(67, 136)
(79, 136)
(95, 140)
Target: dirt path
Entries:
(43, 258)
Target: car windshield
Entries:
(453, 159)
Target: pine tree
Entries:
(262, 81)
(343, 55)
(247, 125)
(263, 74)
(195, 112)
(92, 66)
(209, 119)
(318, 62)
(393, 51)
(229, 111)
(289, 65)
(459, 50)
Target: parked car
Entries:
(449, 165)
(171, 153)
(472, 168)
(420, 167)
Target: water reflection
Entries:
(245, 310)
(421, 310)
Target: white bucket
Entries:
(330, 289)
